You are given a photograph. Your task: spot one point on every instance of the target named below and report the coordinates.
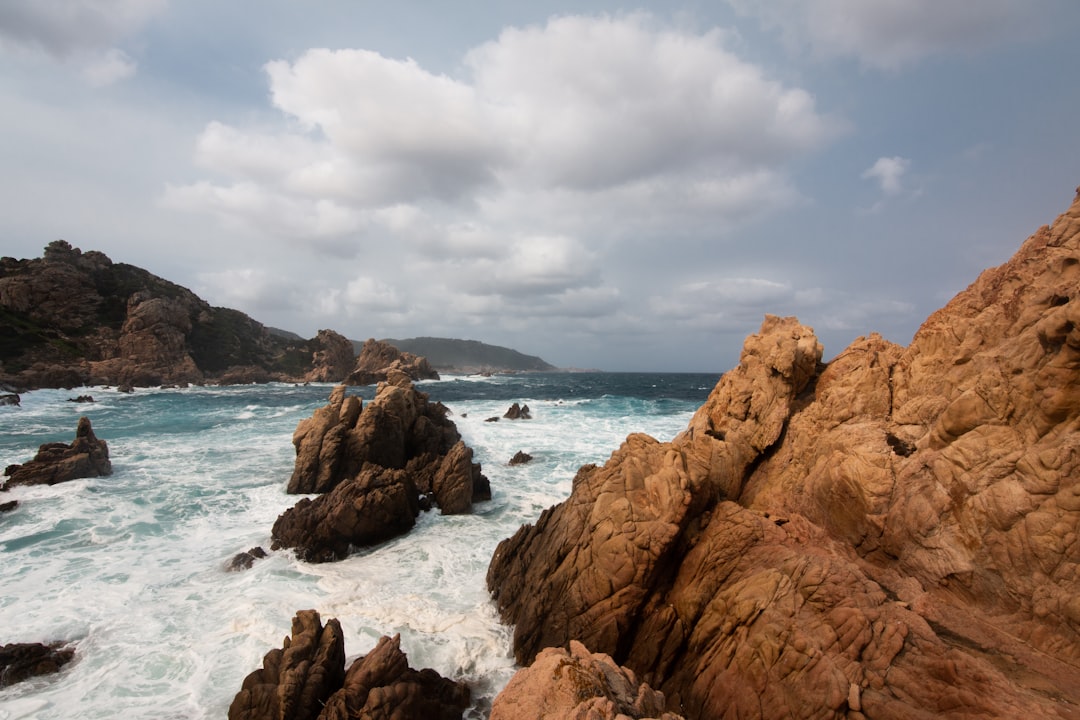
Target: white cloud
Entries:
(889, 173)
(110, 67)
(889, 34)
(64, 28)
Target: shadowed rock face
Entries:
(371, 465)
(891, 535)
(22, 661)
(307, 680)
(85, 457)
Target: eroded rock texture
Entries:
(377, 359)
(891, 535)
(561, 685)
(307, 680)
(22, 661)
(85, 457)
(372, 465)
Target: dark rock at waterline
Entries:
(518, 412)
(58, 462)
(244, 560)
(306, 680)
(8, 506)
(82, 399)
(10, 399)
(373, 465)
(21, 661)
(493, 418)
(520, 458)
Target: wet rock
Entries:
(10, 399)
(85, 457)
(244, 560)
(518, 412)
(520, 458)
(307, 680)
(8, 506)
(82, 399)
(22, 661)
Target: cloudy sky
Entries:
(606, 185)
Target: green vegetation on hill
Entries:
(469, 355)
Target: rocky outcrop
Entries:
(22, 661)
(890, 535)
(372, 465)
(332, 359)
(85, 457)
(520, 458)
(377, 359)
(307, 680)
(71, 318)
(561, 685)
(518, 412)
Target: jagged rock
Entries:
(21, 661)
(85, 457)
(332, 360)
(82, 399)
(376, 505)
(560, 685)
(377, 359)
(889, 535)
(382, 685)
(306, 680)
(244, 560)
(10, 399)
(520, 458)
(373, 464)
(8, 506)
(518, 412)
(296, 681)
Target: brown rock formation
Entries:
(333, 358)
(85, 457)
(891, 535)
(306, 680)
(22, 661)
(377, 359)
(561, 685)
(72, 318)
(371, 464)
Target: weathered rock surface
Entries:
(377, 359)
(890, 535)
(307, 680)
(520, 458)
(244, 560)
(518, 412)
(71, 318)
(85, 457)
(371, 465)
(22, 661)
(561, 685)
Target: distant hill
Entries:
(447, 354)
(72, 318)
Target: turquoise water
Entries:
(131, 567)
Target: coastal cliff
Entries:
(892, 534)
(75, 318)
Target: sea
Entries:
(131, 569)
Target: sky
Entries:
(605, 185)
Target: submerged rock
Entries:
(892, 534)
(307, 680)
(54, 463)
(244, 560)
(22, 661)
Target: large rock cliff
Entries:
(893, 534)
(72, 318)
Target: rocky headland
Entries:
(375, 467)
(73, 318)
(893, 534)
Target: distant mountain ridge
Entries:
(448, 354)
